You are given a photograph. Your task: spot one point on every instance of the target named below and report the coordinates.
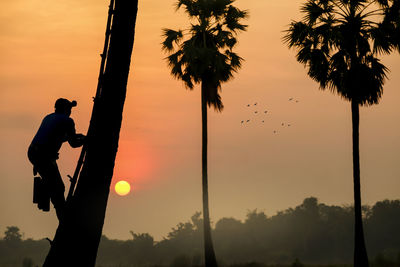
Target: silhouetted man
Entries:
(56, 128)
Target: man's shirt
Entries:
(55, 129)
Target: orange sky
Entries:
(50, 49)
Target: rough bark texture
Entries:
(360, 252)
(210, 259)
(78, 236)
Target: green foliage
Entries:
(339, 41)
(204, 53)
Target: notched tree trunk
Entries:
(77, 238)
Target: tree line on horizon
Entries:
(313, 232)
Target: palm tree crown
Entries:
(339, 40)
(204, 52)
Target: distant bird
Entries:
(247, 120)
(265, 111)
(283, 124)
(297, 101)
(255, 112)
(274, 131)
(290, 99)
(255, 104)
(242, 122)
(248, 105)
(288, 125)
(262, 121)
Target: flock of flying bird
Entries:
(266, 112)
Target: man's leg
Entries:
(52, 179)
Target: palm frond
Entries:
(190, 6)
(343, 6)
(392, 17)
(313, 11)
(176, 64)
(219, 7)
(232, 18)
(392, 13)
(325, 33)
(357, 5)
(216, 103)
(380, 36)
(211, 87)
(171, 37)
(297, 33)
(235, 60)
(363, 44)
(369, 88)
(231, 42)
(224, 39)
(222, 68)
(304, 54)
(338, 66)
(383, 3)
(366, 5)
(378, 70)
(318, 67)
(187, 79)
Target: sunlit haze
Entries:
(50, 49)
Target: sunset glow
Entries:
(50, 49)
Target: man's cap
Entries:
(63, 103)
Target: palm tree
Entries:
(339, 41)
(204, 54)
(78, 235)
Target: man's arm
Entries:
(74, 139)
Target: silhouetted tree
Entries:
(77, 238)
(338, 41)
(382, 218)
(12, 234)
(204, 54)
(141, 248)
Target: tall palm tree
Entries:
(78, 235)
(203, 54)
(339, 41)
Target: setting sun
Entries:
(122, 188)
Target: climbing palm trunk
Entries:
(77, 238)
(210, 260)
(360, 252)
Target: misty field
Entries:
(311, 234)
